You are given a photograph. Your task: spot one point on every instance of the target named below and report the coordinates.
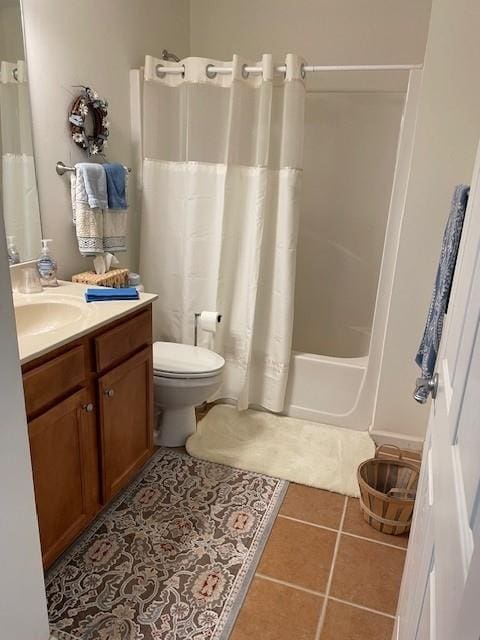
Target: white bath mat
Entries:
(309, 453)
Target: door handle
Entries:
(109, 392)
(429, 384)
(88, 407)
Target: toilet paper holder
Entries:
(195, 327)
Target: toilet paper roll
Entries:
(208, 320)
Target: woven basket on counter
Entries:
(117, 278)
(387, 491)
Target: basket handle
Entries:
(398, 453)
(402, 494)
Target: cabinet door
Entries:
(60, 463)
(126, 420)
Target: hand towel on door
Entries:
(428, 351)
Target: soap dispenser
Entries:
(13, 255)
(47, 266)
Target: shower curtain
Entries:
(222, 159)
(18, 195)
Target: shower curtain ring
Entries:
(158, 71)
(245, 73)
(303, 73)
(210, 74)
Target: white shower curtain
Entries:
(221, 186)
(18, 195)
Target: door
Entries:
(60, 465)
(440, 591)
(126, 420)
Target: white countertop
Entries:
(90, 316)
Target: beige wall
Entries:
(448, 129)
(11, 40)
(322, 31)
(349, 160)
(94, 43)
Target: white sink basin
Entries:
(34, 318)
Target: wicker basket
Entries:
(117, 278)
(387, 491)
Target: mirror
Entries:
(18, 185)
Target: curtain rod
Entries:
(212, 71)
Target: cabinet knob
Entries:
(109, 392)
(88, 407)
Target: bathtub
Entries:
(336, 293)
(325, 389)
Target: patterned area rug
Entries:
(171, 559)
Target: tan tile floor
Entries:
(324, 574)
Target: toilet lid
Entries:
(185, 359)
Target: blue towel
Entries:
(428, 351)
(91, 184)
(116, 185)
(107, 293)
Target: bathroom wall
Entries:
(448, 130)
(323, 31)
(23, 611)
(349, 159)
(11, 40)
(93, 43)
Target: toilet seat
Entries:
(174, 360)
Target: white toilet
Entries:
(184, 376)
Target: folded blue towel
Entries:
(91, 184)
(107, 293)
(428, 351)
(116, 185)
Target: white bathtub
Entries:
(342, 391)
(325, 389)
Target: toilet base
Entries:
(174, 426)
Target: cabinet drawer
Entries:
(118, 343)
(56, 378)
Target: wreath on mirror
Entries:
(88, 122)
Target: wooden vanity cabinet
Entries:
(90, 423)
(59, 453)
(125, 400)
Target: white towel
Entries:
(114, 230)
(115, 226)
(88, 221)
(98, 229)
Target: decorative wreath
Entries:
(89, 103)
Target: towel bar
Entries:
(61, 168)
